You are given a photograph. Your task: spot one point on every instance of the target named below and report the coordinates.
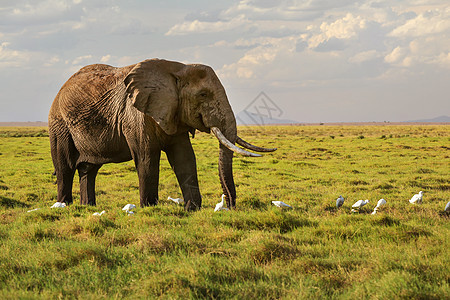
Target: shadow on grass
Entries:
(11, 203)
(386, 221)
(331, 209)
(444, 214)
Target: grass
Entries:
(257, 251)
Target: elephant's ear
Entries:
(152, 89)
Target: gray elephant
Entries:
(104, 114)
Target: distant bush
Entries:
(19, 132)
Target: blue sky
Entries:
(318, 60)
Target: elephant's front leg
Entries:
(147, 166)
(87, 173)
(182, 159)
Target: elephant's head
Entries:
(188, 97)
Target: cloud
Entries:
(39, 12)
(197, 26)
(396, 55)
(344, 28)
(12, 58)
(255, 60)
(105, 58)
(429, 23)
(285, 9)
(52, 61)
(422, 40)
(364, 56)
(276, 18)
(81, 60)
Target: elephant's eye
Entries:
(203, 94)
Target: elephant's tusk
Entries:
(253, 147)
(219, 135)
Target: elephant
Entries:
(105, 114)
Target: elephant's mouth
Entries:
(201, 124)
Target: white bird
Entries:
(339, 201)
(128, 208)
(380, 203)
(360, 203)
(33, 209)
(176, 200)
(280, 204)
(59, 205)
(99, 214)
(219, 206)
(447, 207)
(417, 198)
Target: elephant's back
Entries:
(85, 89)
(93, 81)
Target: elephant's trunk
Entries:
(227, 148)
(226, 175)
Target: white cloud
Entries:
(105, 58)
(298, 10)
(197, 26)
(52, 61)
(396, 55)
(428, 50)
(12, 58)
(41, 8)
(344, 28)
(81, 60)
(431, 22)
(364, 56)
(263, 53)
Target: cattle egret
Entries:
(128, 208)
(380, 203)
(360, 203)
(59, 205)
(176, 200)
(339, 201)
(280, 204)
(33, 210)
(417, 198)
(447, 207)
(219, 206)
(99, 214)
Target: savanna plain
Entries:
(257, 251)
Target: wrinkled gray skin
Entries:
(104, 114)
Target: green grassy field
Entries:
(256, 252)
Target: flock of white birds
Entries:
(416, 199)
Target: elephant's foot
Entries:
(149, 201)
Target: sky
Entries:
(316, 60)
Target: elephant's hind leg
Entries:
(87, 173)
(64, 156)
